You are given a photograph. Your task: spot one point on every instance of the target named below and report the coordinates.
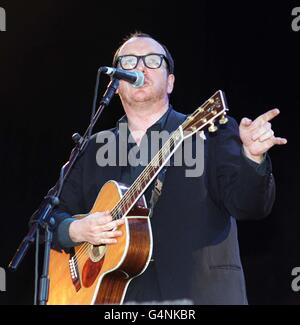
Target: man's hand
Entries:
(257, 136)
(96, 229)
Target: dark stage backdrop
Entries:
(49, 55)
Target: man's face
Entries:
(158, 84)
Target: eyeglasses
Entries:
(151, 61)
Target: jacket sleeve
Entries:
(71, 203)
(75, 199)
(245, 189)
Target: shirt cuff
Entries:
(260, 168)
(63, 235)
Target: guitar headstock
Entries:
(206, 114)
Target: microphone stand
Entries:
(41, 218)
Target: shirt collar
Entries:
(158, 125)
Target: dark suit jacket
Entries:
(194, 229)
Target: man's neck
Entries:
(143, 117)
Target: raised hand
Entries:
(257, 136)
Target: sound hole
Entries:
(93, 265)
(97, 252)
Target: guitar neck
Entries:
(148, 174)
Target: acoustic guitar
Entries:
(101, 274)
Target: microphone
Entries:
(136, 78)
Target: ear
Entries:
(171, 80)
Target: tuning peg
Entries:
(212, 128)
(223, 119)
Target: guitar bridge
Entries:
(74, 272)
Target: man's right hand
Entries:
(96, 229)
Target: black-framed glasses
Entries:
(151, 60)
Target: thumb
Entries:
(246, 121)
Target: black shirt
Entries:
(144, 288)
(130, 173)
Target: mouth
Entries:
(146, 84)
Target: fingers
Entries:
(102, 228)
(103, 218)
(107, 237)
(100, 218)
(111, 234)
(105, 241)
(246, 121)
(261, 129)
(280, 141)
(265, 136)
(266, 117)
(270, 142)
(111, 225)
(97, 228)
(257, 136)
(263, 132)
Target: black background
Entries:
(49, 56)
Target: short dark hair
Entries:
(140, 34)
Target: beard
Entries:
(143, 95)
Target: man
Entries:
(196, 254)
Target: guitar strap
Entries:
(157, 189)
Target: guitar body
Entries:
(101, 274)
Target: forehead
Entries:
(141, 46)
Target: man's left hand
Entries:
(258, 137)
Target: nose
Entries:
(140, 66)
